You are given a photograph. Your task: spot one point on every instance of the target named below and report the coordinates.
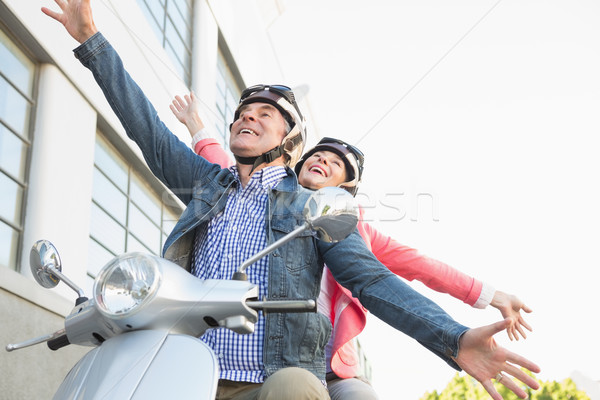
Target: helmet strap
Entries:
(273, 154)
(267, 157)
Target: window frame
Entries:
(134, 172)
(166, 23)
(27, 138)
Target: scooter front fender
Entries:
(144, 365)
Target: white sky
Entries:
(491, 108)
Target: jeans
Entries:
(286, 384)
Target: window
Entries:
(17, 81)
(172, 24)
(228, 94)
(127, 213)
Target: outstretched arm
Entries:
(410, 264)
(394, 302)
(481, 357)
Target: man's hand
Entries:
(510, 307)
(76, 17)
(481, 357)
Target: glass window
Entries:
(144, 229)
(127, 213)
(171, 21)
(13, 153)
(227, 96)
(9, 240)
(11, 199)
(14, 107)
(16, 66)
(115, 168)
(109, 197)
(17, 81)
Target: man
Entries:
(287, 350)
(333, 162)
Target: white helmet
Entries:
(353, 159)
(283, 99)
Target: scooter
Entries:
(146, 312)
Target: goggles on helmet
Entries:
(360, 157)
(281, 90)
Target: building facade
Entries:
(69, 174)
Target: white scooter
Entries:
(146, 313)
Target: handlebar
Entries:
(59, 342)
(31, 342)
(281, 306)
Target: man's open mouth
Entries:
(248, 132)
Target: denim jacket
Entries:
(295, 269)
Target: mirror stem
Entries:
(269, 249)
(51, 270)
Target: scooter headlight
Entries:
(126, 282)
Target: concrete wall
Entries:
(34, 372)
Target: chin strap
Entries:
(270, 155)
(267, 157)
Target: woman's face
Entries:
(322, 169)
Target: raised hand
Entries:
(76, 17)
(186, 111)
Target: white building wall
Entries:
(69, 109)
(60, 177)
(69, 98)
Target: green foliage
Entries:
(467, 388)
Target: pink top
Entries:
(212, 151)
(348, 316)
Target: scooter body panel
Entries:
(144, 365)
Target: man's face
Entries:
(259, 128)
(322, 169)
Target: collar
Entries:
(267, 177)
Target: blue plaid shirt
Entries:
(221, 245)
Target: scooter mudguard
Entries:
(144, 365)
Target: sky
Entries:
(478, 120)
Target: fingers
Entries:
(496, 327)
(525, 324)
(520, 330)
(521, 375)
(52, 14)
(511, 334)
(180, 102)
(516, 359)
(513, 387)
(526, 309)
(177, 106)
(489, 387)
